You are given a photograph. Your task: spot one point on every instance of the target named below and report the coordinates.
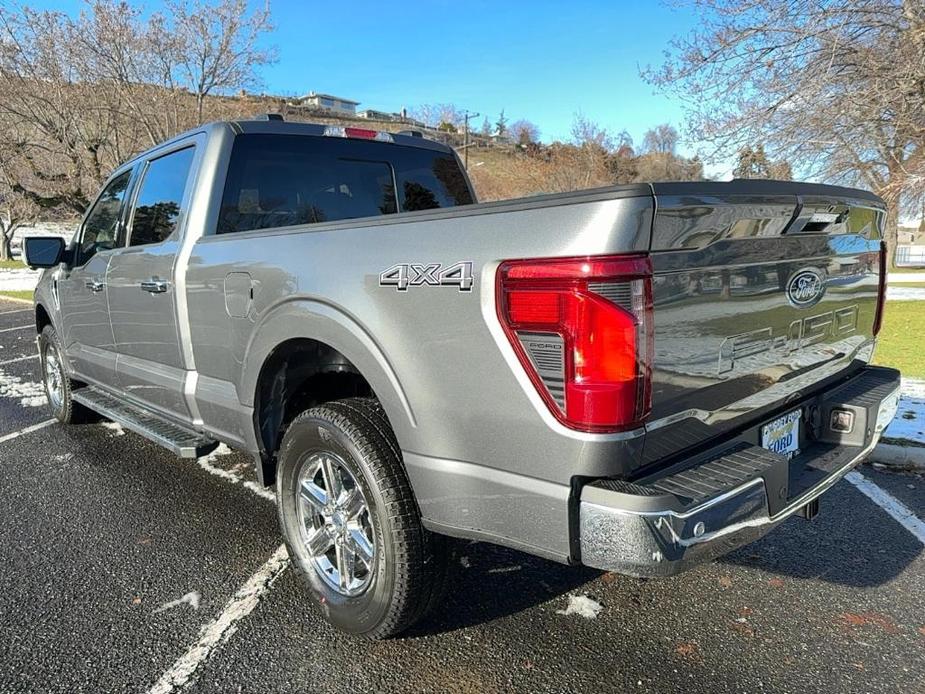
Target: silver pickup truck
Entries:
(637, 378)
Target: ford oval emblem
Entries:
(806, 288)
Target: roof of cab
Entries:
(276, 126)
(282, 127)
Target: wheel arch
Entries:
(307, 352)
(42, 318)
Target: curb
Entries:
(899, 457)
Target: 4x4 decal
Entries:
(406, 275)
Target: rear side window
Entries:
(283, 180)
(160, 195)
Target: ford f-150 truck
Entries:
(637, 378)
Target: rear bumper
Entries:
(733, 494)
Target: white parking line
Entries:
(220, 629)
(893, 506)
(13, 361)
(27, 430)
(19, 310)
(20, 327)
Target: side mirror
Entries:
(42, 251)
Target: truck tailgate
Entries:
(762, 292)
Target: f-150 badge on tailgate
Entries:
(406, 275)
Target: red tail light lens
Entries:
(881, 296)
(582, 329)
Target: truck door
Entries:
(142, 292)
(82, 289)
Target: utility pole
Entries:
(466, 117)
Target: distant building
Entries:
(907, 235)
(373, 114)
(326, 102)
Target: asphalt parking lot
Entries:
(128, 569)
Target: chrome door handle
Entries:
(154, 285)
(95, 285)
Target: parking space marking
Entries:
(13, 361)
(893, 506)
(220, 629)
(27, 430)
(21, 327)
(19, 310)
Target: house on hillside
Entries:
(314, 101)
(373, 114)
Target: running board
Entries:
(183, 442)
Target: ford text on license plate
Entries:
(783, 434)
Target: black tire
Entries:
(410, 565)
(62, 407)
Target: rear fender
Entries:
(317, 320)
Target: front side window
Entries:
(160, 196)
(101, 228)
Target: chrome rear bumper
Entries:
(734, 494)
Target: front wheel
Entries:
(351, 523)
(56, 380)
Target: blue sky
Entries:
(540, 60)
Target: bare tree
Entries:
(524, 132)
(82, 94)
(586, 132)
(218, 45)
(753, 162)
(834, 86)
(594, 146)
(662, 139)
(15, 211)
(436, 114)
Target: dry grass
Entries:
(502, 174)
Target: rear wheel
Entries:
(351, 523)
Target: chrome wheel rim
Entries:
(335, 524)
(54, 382)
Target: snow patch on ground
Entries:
(115, 428)
(900, 277)
(913, 387)
(233, 475)
(192, 599)
(583, 606)
(18, 280)
(29, 393)
(900, 293)
(909, 422)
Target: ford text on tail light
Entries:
(582, 329)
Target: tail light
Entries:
(881, 295)
(582, 329)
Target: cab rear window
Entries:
(285, 180)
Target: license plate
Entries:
(783, 434)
